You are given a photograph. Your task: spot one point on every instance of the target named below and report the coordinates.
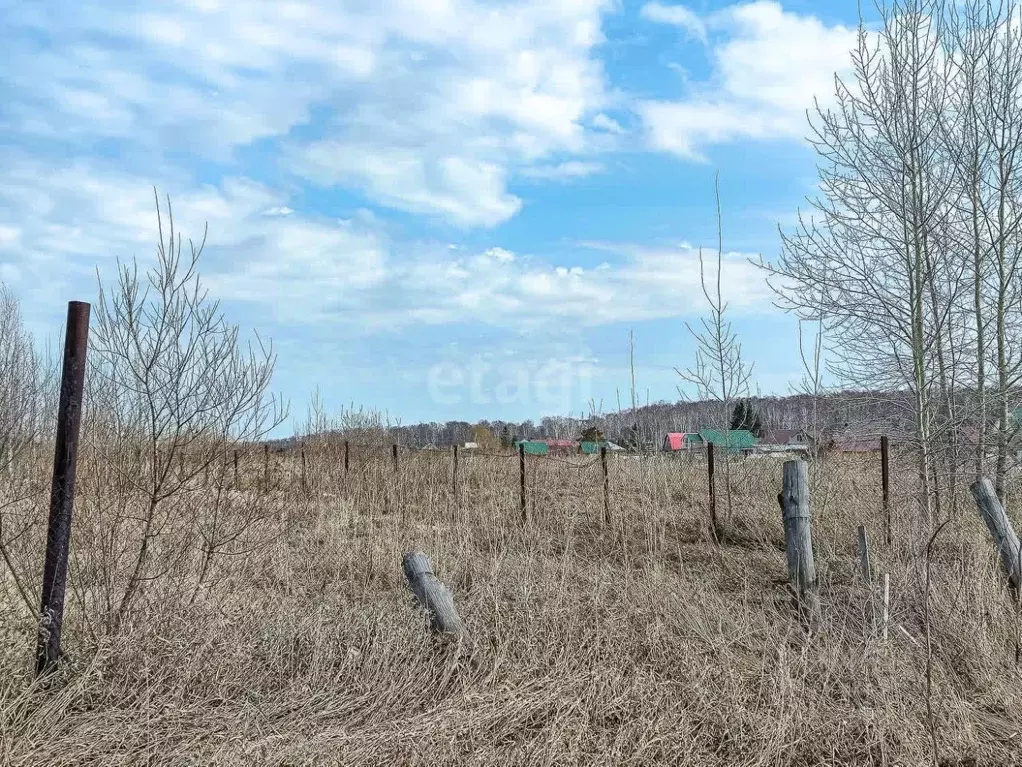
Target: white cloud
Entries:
(766, 72)
(607, 123)
(429, 107)
(677, 16)
(564, 171)
(302, 271)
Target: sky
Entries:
(444, 209)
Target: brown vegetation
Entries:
(298, 642)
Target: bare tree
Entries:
(173, 390)
(719, 373)
(873, 259)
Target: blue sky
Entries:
(441, 208)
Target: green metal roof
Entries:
(533, 448)
(736, 439)
(589, 448)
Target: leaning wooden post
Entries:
(797, 514)
(521, 473)
(434, 597)
(1000, 529)
(713, 487)
(606, 484)
(885, 482)
(62, 489)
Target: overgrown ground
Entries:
(637, 643)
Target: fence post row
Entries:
(65, 467)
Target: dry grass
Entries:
(641, 643)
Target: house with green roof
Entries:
(734, 440)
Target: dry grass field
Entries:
(297, 641)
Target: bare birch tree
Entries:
(719, 372)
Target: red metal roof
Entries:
(560, 443)
(674, 441)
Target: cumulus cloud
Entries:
(677, 16)
(768, 65)
(426, 107)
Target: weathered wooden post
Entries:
(62, 489)
(864, 565)
(1000, 529)
(345, 457)
(606, 484)
(521, 472)
(433, 595)
(235, 469)
(713, 487)
(797, 514)
(885, 482)
(393, 453)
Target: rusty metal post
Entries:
(606, 484)
(521, 471)
(62, 491)
(713, 487)
(885, 481)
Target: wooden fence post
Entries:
(606, 484)
(885, 481)
(798, 538)
(62, 488)
(1000, 528)
(345, 457)
(713, 487)
(434, 597)
(393, 452)
(235, 469)
(521, 472)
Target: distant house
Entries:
(560, 445)
(785, 441)
(678, 440)
(533, 446)
(734, 440)
(855, 444)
